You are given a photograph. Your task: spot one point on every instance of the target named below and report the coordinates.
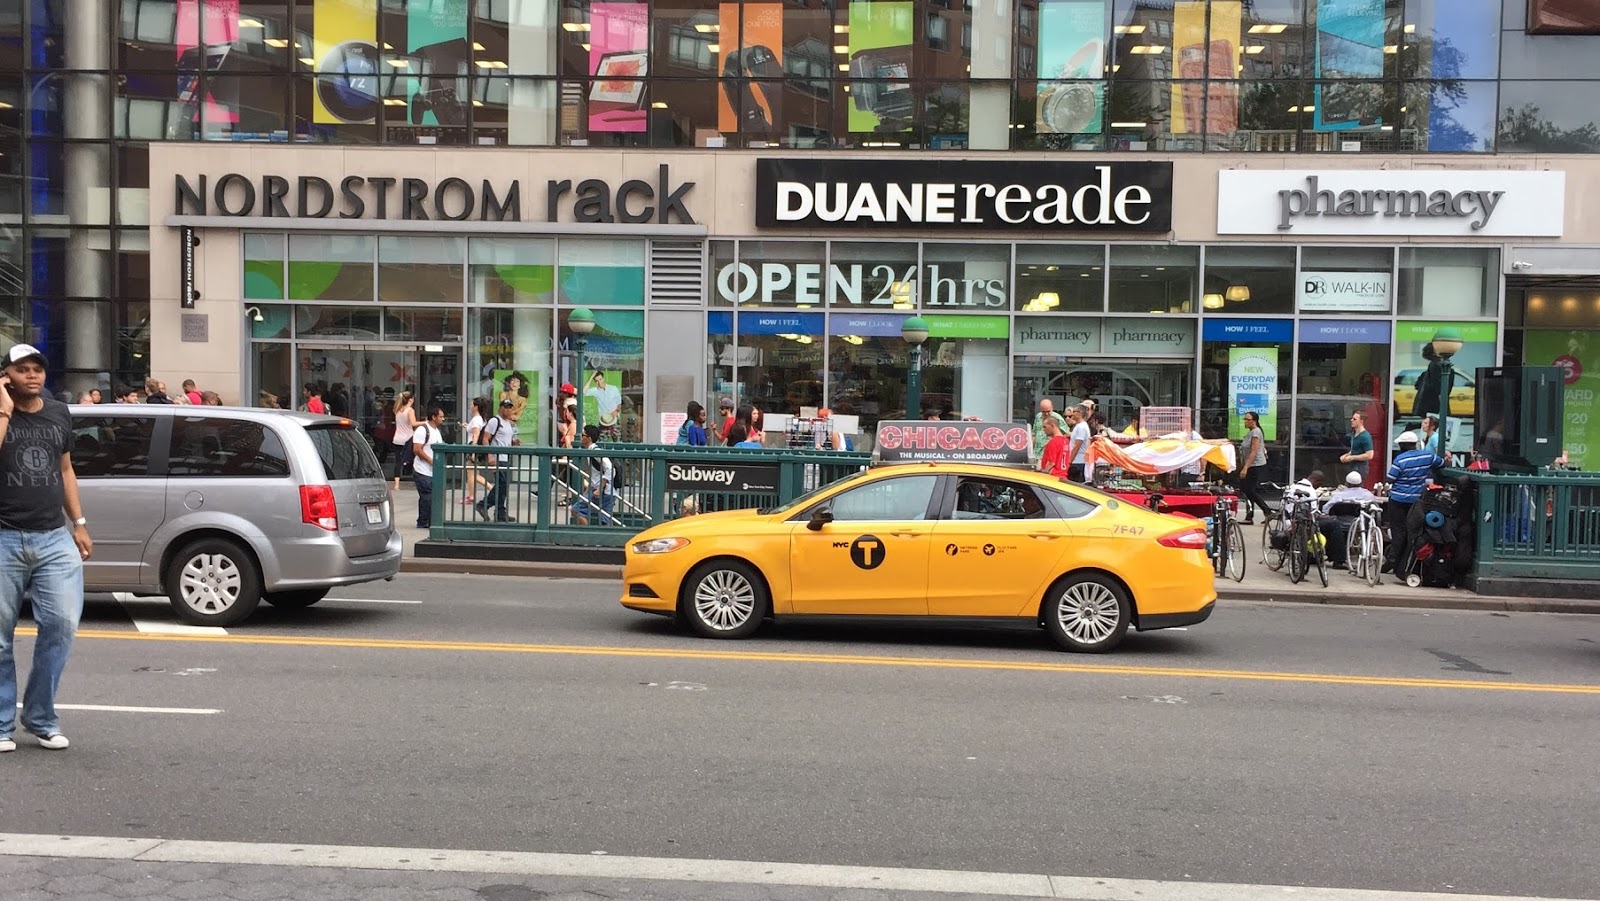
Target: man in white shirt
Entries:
(1338, 514)
(423, 438)
(601, 495)
(1077, 444)
(500, 431)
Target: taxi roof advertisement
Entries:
(953, 442)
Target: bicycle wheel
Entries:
(1271, 556)
(1236, 551)
(1298, 553)
(1321, 559)
(1372, 553)
(1355, 556)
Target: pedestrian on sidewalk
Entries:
(1409, 474)
(474, 428)
(41, 552)
(1053, 460)
(601, 495)
(1254, 455)
(155, 392)
(501, 431)
(314, 402)
(405, 425)
(693, 431)
(423, 438)
(1047, 410)
(1361, 452)
(1078, 443)
(193, 393)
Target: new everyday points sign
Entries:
(1384, 202)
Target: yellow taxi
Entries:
(952, 542)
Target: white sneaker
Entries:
(55, 741)
(7, 744)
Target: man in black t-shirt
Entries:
(41, 553)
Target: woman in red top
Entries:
(1053, 459)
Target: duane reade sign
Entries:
(964, 195)
(1360, 202)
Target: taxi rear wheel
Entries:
(1088, 613)
(725, 599)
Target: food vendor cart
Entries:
(1145, 461)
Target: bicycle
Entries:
(1364, 546)
(1274, 538)
(1225, 538)
(1306, 544)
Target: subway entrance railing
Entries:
(1543, 525)
(548, 498)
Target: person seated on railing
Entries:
(601, 494)
(1339, 512)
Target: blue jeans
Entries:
(587, 506)
(48, 567)
(424, 499)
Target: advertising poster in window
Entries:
(881, 99)
(1417, 383)
(1349, 46)
(345, 48)
(1252, 388)
(619, 60)
(206, 33)
(520, 386)
(602, 400)
(439, 59)
(1198, 105)
(750, 93)
(1578, 355)
(1072, 50)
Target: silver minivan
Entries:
(220, 508)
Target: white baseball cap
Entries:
(1407, 438)
(20, 352)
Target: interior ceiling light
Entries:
(1129, 29)
(575, 26)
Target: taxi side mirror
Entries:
(819, 518)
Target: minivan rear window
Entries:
(345, 454)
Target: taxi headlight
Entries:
(659, 545)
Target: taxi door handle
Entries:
(906, 534)
(1048, 536)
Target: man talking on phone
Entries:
(44, 540)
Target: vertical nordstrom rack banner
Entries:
(1252, 388)
(436, 39)
(1072, 66)
(345, 42)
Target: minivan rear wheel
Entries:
(295, 600)
(213, 582)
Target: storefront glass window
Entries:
(1248, 280)
(331, 267)
(1343, 370)
(611, 386)
(512, 270)
(1449, 281)
(726, 280)
(607, 272)
(966, 275)
(868, 363)
(514, 111)
(263, 266)
(1345, 280)
(1060, 278)
(442, 325)
(1455, 116)
(873, 276)
(275, 322)
(1563, 329)
(509, 356)
(1451, 39)
(784, 353)
(1154, 279)
(965, 367)
(424, 270)
(1246, 366)
(272, 372)
(349, 323)
(1418, 381)
(1548, 116)
(771, 273)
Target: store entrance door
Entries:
(1120, 387)
(361, 381)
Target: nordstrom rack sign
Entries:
(1400, 202)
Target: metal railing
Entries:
(547, 495)
(1543, 525)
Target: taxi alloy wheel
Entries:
(726, 599)
(1088, 613)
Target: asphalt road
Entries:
(1297, 745)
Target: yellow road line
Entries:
(851, 659)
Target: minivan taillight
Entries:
(1188, 540)
(318, 508)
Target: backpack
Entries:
(683, 433)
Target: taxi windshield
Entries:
(806, 498)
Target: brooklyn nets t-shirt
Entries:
(31, 493)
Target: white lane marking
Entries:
(599, 865)
(160, 626)
(367, 601)
(112, 708)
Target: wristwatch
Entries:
(80, 521)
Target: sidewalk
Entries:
(1260, 583)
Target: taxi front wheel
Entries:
(1088, 613)
(725, 599)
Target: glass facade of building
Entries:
(87, 86)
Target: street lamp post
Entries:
(581, 321)
(915, 331)
(1446, 343)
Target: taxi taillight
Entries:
(1188, 540)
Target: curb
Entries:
(1459, 600)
